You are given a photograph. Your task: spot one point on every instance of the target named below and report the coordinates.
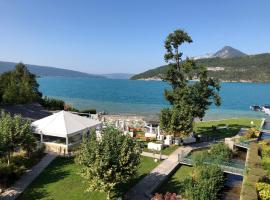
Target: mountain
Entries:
(118, 76)
(225, 52)
(252, 68)
(228, 52)
(42, 71)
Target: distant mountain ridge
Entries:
(229, 66)
(43, 71)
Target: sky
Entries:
(126, 36)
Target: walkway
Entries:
(146, 186)
(20, 185)
(151, 155)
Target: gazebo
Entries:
(61, 131)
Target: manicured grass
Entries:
(166, 151)
(61, 181)
(175, 183)
(234, 125)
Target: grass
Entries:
(166, 151)
(61, 181)
(234, 125)
(175, 183)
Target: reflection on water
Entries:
(232, 187)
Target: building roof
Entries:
(63, 124)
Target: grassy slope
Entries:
(234, 125)
(61, 181)
(174, 185)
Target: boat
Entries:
(256, 107)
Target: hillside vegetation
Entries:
(254, 68)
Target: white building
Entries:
(59, 132)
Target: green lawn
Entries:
(61, 181)
(175, 183)
(235, 124)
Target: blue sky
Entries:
(126, 36)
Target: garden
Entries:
(18, 148)
(61, 180)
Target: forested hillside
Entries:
(255, 68)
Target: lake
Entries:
(146, 97)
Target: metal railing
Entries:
(228, 167)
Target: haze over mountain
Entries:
(43, 71)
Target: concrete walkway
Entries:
(144, 189)
(20, 185)
(151, 155)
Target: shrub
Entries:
(220, 152)
(251, 133)
(52, 103)
(167, 196)
(205, 184)
(263, 190)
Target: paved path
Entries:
(149, 154)
(144, 189)
(20, 185)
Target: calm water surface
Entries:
(146, 97)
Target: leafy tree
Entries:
(189, 100)
(15, 133)
(19, 86)
(220, 152)
(205, 183)
(108, 161)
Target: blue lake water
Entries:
(146, 97)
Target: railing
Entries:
(229, 167)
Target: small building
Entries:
(61, 131)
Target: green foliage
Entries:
(252, 68)
(263, 190)
(254, 174)
(220, 152)
(15, 133)
(19, 86)
(109, 161)
(52, 103)
(205, 184)
(188, 100)
(19, 163)
(251, 133)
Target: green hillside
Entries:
(255, 68)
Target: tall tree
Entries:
(19, 86)
(188, 99)
(108, 161)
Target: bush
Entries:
(220, 152)
(52, 103)
(167, 196)
(263, 190)
(251, 133)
